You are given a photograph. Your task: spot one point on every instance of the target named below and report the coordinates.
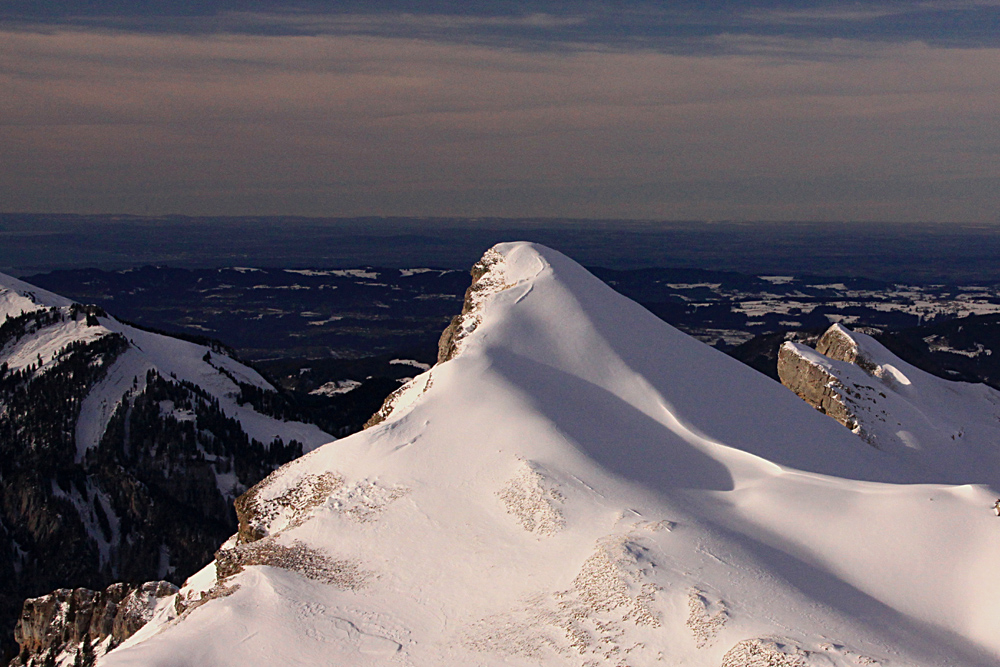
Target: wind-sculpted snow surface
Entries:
(532, 504)
(583, 485)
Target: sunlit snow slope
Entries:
(584, 485)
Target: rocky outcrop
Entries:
(386, 408)
(487, 278)
(299, 557)
(84, 624)
(837, 344)
(264, 511)
(820, 378)
(815, 384)
(138, 607)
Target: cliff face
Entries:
(814, 384)
(818, 377)
(487, 279)
(82, 624)
(819, 383)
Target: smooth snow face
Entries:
(584, 485)
(46, 344)
(13, 303)
(17, 298)
(182, 360)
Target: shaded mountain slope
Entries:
(120, 450)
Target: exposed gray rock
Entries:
(248, 525)
(837, 344)
(764, 652)
(300, 558)
(74, 621)
(137, 608)
(814, 376)
(781, 652)
(257, 509)
(462, 324)
(815, 385)
(383, 412)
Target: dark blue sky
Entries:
(735, 110)
(952, 23)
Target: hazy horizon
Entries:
(741, 110)
(908, 252)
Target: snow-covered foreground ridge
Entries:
(581, 484)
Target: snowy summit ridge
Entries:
(579, 483)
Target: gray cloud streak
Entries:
(758, 128)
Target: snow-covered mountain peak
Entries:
(581, 484)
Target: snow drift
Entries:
(581, 484)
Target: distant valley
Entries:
(306, 328)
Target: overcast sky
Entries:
(776, 110)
